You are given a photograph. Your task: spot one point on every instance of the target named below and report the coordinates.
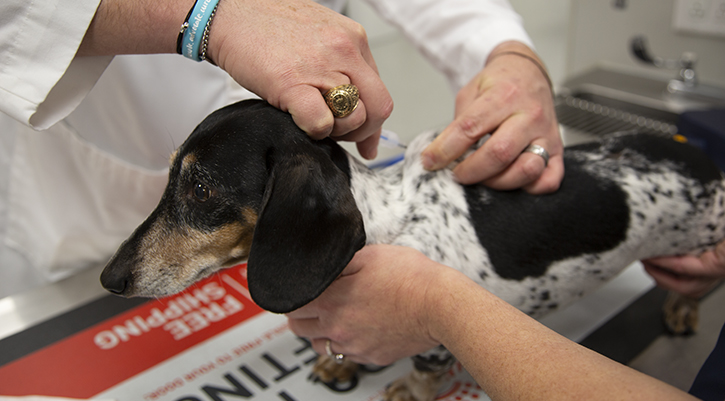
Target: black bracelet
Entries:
(526, 56)
(183, 28)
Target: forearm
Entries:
(134, 27)
(512, 356)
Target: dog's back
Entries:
(625, 198)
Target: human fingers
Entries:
(376, 104)
(311, 111)
(307, 328)
(550, 180)
(292, 52)
(691, 286)
(313, 115)
(370, 310)
(503, 162)
(710, 264)
(528, 171)
(363, 125)
(499, 103)
(323, 345)
(345, 125)
(308, 110)
(368, 148)
(458, 137)
(310, 329)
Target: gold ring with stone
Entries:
(342, 100)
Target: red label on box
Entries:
(108, 353)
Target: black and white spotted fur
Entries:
(250, 183)
(625, 198)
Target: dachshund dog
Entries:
(249, 185)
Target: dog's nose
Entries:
(115, 286)
(116, 277)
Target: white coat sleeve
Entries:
(456, 36)
(40, 80)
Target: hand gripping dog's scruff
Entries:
(248, 184)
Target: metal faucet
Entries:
(686, 83)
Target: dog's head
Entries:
(246, 184)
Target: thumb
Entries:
(356, 264)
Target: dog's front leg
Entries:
(327, 370)
(416, 386)
(422, 384)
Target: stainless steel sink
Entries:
(603, 101)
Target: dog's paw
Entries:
(328, 370)
(681, 314)
(417, 386)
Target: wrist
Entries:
(518, 49)
(442, 302)
(511, 46)
(227, 13)
(134, 27)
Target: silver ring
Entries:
(539, 151)
(339, 358)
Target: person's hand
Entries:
(512, 100)
(692, 276)
(375, 312)
(290, 52)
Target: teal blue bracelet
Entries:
(197, 30)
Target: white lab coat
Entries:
(84, 142)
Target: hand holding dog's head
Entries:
(246, 184)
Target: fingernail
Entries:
(428, 161)
(372, 153)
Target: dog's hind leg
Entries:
(680, 314)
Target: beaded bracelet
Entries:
(205, 37)
(192, 40)
(526, 56)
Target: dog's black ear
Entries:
(308, 230)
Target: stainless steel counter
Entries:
(24, 310)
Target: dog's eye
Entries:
(201, 192)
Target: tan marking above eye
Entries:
(188, 161)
